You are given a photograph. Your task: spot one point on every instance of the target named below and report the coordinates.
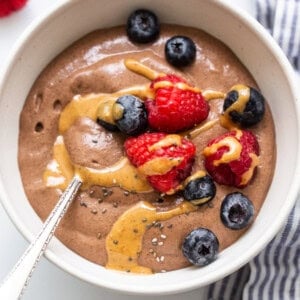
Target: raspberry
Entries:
(232, 158)
(9, 6)
(165, 159)
(177, 105)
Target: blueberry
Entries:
(244, 115)
(142, 26)
(237, 211)
(200, 189)
(180, 51)
(130, 115)
(200, 247)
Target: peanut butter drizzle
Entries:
(211, 95)
(159, 165)
(143, 91)
(104, 109)
(169, 140)
(194, 176)
(88, 105)
(117, 111)
(233, 153)
(180, 85)
(162, 165)
(191, 134)
(239, 105)
(60, 171)
(131, 226)
(122, 174)
(248, 174)
(139, 68)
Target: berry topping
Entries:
(244, 106)
(199, 188)
(165, 160)
(232, 158)
(177, 105)
(142, 26)
(200, 247)
(180, 51)
(237, 211)
(130, 115)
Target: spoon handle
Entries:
(14, 284)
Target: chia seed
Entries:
(94, 211)
(116, 242)
(83, 204)
(154, 241)
(106, 192)
(104, 210)
(157, 224)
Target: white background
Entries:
(49, 282)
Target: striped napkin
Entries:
(275, 273)
(282, 19)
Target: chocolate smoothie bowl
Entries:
(179, 157)
(119, 219)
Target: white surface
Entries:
(48, 281)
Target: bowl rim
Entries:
(289, 73)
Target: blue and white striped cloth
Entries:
(275, 273)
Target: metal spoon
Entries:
(14, 284)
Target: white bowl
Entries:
(57, 29)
